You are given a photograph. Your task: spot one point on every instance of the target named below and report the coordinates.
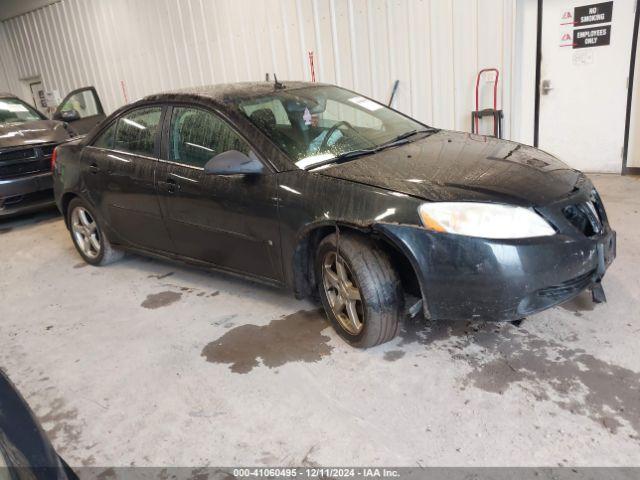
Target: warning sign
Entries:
(592, 37)
(590, 14)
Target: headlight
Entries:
(486, 220)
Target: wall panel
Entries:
(8, 69)
(433, 47)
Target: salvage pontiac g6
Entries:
(322, 190)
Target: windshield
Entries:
(13, 110)
(317, 125)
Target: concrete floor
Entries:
(148, 363)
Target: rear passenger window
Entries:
(105, 140)
(198, 135)
(136, 131)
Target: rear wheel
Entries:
(359, 289)
(88, 237)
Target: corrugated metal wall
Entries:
(433, 47)
(9, 81)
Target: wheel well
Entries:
(406, 272)
(304, 281)
(66, 200)
(304, 278)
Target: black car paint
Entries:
(454, 166)
(264, 225)
(24, 446)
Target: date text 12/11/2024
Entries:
(316, 472)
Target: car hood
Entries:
(455, 166)
(32, 133)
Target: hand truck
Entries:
(497, 115)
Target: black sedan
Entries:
(324, 191)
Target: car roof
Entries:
(7, 95)
(225, 92)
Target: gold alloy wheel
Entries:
(343, 293)
(85, 231)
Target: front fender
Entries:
(407, 239)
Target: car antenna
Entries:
(276, 83)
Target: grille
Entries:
(17, 154)
(25, 161)
(24, 168)
(586, 217)
(567, 288)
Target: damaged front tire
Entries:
(359, 289)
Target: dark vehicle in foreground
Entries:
(25, 450)
(27, 140)
(319, 189)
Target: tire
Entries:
(83, 224)
(369, 270)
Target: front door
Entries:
(586, 52)
(81, 109)
(228, 221)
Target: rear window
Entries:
(136, 131)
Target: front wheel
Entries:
(89, 239)
(359, 289)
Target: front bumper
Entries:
(500, 280)
(25, 194)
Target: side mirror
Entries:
(233, 162)
(67, 115)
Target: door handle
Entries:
(93, 168)
(546, 87)
(172, 185)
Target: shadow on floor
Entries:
(17, 222)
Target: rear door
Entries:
(81, 109)
(121, 166)
(229, 221)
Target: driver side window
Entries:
(198, 135)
